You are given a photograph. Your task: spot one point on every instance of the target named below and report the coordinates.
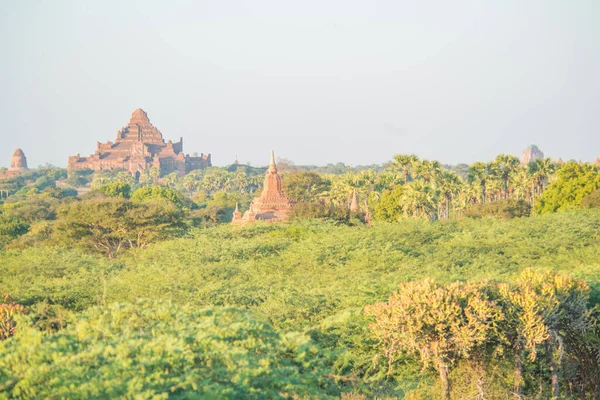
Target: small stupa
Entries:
(272, 205)
(18, 162)
(354, 203)
(18, 165)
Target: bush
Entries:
(157, 193)
(326, 211)
(116, 189)
(157, 350)
(11, 228)
(43, 182)
(592, 200)
(574, 182)
(80, 178)
(503, 209)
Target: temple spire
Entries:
(272, 165)
(354, 204)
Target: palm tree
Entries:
(479, 172)
(341, 186)
(507, 165)
(418, 200)
(494, 187)
(154, 173)
(521, 183)
(541, 170)
(427, 170)
(170, 180)
(448, 183)
(386, 180)
(190, 183)
(404, 163)
(467, 195)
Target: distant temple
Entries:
(530, 154)
(18, 164)
(140, 146)
(271, 206)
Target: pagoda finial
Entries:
(272, 165)
(237, 209)
(354, 204)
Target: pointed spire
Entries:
(272, 165)
(354, 204)
(237, 215)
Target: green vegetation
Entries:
(574, 182)
(154, 350)
(441, 286)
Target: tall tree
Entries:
(541, 169)
(418, 200)
(481, 172)
(304, 186)
(109, 225)
(507, 165)
(404, 163)
(426, 170)
(449, 184)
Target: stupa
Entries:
(354, 203)
(18, 164)
(272, 205)
(140, 146)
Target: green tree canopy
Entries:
(155, 350)
(574, 182)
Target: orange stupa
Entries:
(272, 205)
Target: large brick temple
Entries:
(272, 205)
(531, 154)
(140, 146)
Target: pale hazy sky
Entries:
(318, 81)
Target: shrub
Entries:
(503, 209)
(116, 189)
(592, 200)
(326, 211)
(8, 310)
(157, 193)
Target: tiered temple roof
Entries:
(139, 146)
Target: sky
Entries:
(317, 81)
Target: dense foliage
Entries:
(314, 278)
(153, 350)
(457, 282)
